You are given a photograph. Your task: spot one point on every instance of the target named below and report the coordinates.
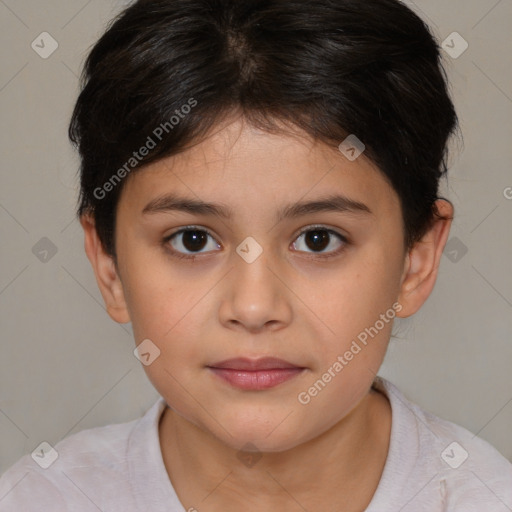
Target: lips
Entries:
(255, 374)
(242, 363)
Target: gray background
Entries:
(66, 366)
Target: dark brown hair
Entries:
(175, 68)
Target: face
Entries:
(261, 279)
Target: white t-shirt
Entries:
(433, 465)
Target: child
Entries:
(220, 141)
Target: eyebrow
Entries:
(333, 203)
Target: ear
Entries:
(422, 262)
(105, 271)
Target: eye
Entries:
(189, 241)
(317, 238)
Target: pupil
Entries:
(194, 240)
(319, 239)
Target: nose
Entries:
(255, 296)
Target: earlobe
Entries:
(423, 260)
(105, 271)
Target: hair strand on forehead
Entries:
(164, 73)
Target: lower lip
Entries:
(256, 380)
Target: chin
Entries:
(260, 434)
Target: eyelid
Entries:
(323, 256)
(187, 256)
(191, 227)
(310, 227)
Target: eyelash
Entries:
(192, 257)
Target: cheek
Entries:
(155, 292)
(167, 307)
(350, 303)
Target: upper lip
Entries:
(243, 363)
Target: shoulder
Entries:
(463, 471)
(83, 468)
(23, 487)
(473, 473)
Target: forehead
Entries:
(246, 168)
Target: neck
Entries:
(340, 468)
